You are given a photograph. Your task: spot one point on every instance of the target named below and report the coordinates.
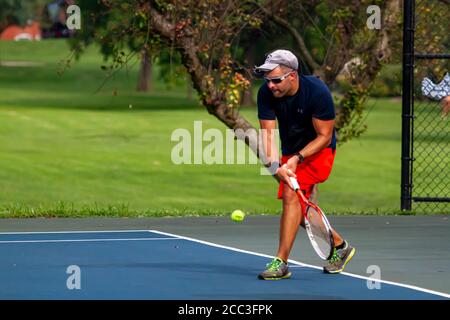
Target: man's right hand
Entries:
(283, 173)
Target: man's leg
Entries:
(290, 221)
(314, 197)
(338, 240)
(343, 251)
(317, 171)
(291, 218)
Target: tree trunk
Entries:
(145, 82)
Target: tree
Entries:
(201, 32)
(204, 33)
(145, 81)
(19, 11)
(432, 37)
(347, 44)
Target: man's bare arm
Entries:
(268, 135)
(324, 130)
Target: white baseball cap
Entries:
(277, 58)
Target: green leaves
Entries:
(349, 120)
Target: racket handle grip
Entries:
(294, 183)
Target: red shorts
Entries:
(315, 169)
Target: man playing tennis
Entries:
(304, 109)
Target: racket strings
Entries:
(320, 233)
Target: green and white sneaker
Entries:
(340, 258)
(276, 270)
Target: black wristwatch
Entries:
(300, 157)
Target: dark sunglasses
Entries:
(279, 79)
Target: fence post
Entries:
(407, 116)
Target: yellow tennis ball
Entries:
(237, 215)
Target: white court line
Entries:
(307, 265)
(59, 232)
(247, 252)
(85, 240)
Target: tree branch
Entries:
(340, 52)
(186, 44)
(380, 52)
(312, 64)
(364, 73)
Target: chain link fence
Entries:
(427, 189)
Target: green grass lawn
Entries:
(70, 146)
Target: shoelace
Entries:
(274, 265)
(335, 258)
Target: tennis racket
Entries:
(316, 224)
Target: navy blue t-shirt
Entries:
(295, 113)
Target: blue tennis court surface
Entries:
(160, 266)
